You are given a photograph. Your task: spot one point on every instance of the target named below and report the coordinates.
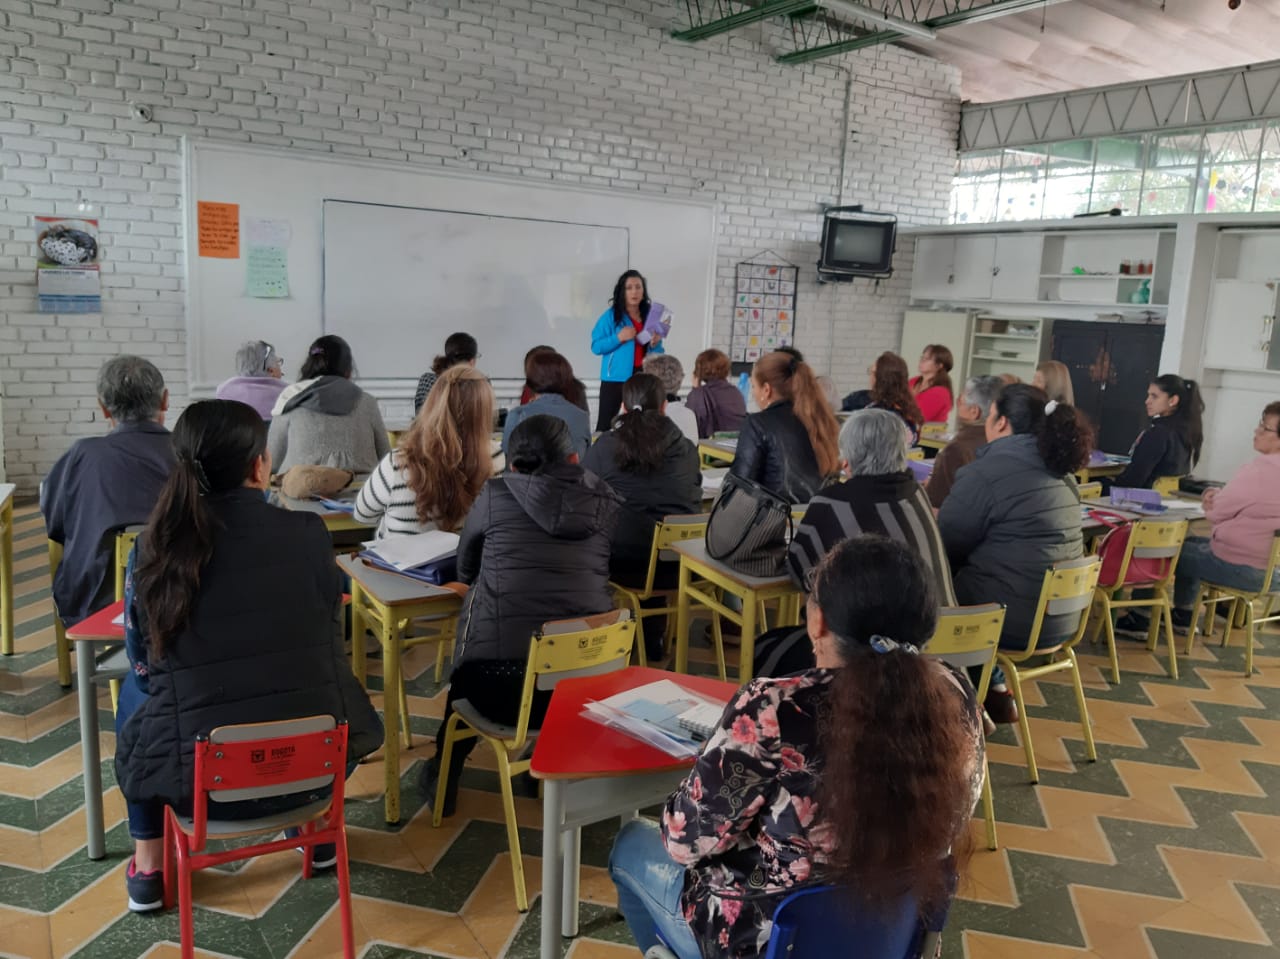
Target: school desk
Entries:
(90, 636)
(335, 521)
(6, 568)
(389, 602)
(696, 565)
(592, 773)
(718, 451)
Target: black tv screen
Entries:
(858, 245)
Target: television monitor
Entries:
(857, 243)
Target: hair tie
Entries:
(883, 644)
(316, 351)
(1050, 407)
(202, 478)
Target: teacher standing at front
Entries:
(617, 341)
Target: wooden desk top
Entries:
(571, 746)
(696, 550)
(99, 627)
(392, 589)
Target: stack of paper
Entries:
(712, 480)
(651, 713)
(417, 556)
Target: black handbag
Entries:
(749, 528)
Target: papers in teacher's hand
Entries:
(657, 323)
(408, 552)
(651, 713)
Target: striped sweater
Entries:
(387, 500)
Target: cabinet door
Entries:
(1241, 323)
(933, 272)
(1015, 274)
(974, 261)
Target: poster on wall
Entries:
(68, 277)
(764, 307)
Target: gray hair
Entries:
(130, 389)
(982, 392)
(257, 358)
(874, 442)
(666, 368)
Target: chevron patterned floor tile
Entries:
(1168, 847)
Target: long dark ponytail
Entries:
(1188, 416)
(215, 443)
(899, 751)
(640, 427)
(1063, 434)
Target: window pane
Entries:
(977, 188)
(1172, 169)
(1117, 178)
(1231, 165)
(1022, 179)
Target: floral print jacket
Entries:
(746, 823)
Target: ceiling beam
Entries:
(762, 11)
(959, 14)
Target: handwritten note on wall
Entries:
(267, 272)
(218, 229)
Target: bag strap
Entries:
(1109, 519)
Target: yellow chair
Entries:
(1166, 485)
(672, 529)
(1241, 606)
(563, 649)
(1090, 490)
(1067, 590)
(124, 546)
(62, 647)
(968, 636)
(1148, 539)
(915, 453)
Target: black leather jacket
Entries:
(774, 451)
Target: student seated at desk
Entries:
(1170, 446)
(789, 447)
(441, 463)
(718, 405)
(976, 400)
(655, 470)
(861, 771)
(105, 483)
(550, 376)
(1014, 512)
(535, 548)
(670, 371)
(325, 419)
(1055, 379)
(890, 391)
(932, 387)
(1244, 516)
(259, 378)
(233, 614)
(459, 349)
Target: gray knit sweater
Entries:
(331, 422)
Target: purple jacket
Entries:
(718, 406)
(260, 392)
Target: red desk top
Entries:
(99, 625)
(571, 746)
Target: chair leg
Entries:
(186, 922)
(1109, 630)
(1248, 639)
(404, 712)
(988, 806)
(446, 758)
(1232, 612)
(638, 612)
(170, 837)
(114, 686)
(1200, 608)
(513, 830)
(63, 650)
(717, 639)
(1166, 617)
(1011, 674)
(1091, 750)
(344, 896)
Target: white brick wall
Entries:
(581, 91)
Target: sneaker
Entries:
(1001, 706)
(324, 855)
(146, 889)
(1133, 624)
(1181, 619)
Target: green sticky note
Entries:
(267, 272)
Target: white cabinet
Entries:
(985, 266)
(1241, 325)
(1008, 345)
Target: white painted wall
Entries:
(577, 91)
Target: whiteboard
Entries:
(670, 240)
(510, 282)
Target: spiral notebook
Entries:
(701, 720)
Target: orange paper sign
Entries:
(218, 227)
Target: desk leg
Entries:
(359, 663)
(391, 713)
(571, 859)
(90, 750)
(747, 651)
(682, 618)
(552, 864)
(6, 579)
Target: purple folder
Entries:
(657, 323)
(921, 469)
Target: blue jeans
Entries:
(1197, 562)
(649, 885)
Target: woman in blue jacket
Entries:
(616, 340)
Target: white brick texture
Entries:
(572, 91)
